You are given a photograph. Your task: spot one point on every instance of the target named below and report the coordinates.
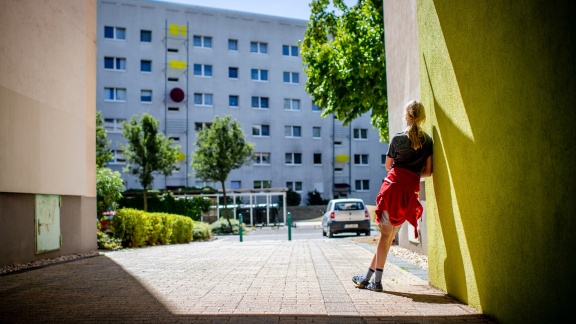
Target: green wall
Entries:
(498, 82)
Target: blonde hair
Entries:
(415, 116)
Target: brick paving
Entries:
(225, 281)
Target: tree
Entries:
(103, 152)
(343, 54)
(109, 187)
(221, 148)
(147, 150)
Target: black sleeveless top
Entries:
(405, 156)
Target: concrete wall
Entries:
(47, 128)
(498, 81)
(403, 79)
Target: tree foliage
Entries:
(109, 187)
(147, 150)
(103, 152)
(221, 148)
(343, 51)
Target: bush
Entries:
(137, 228)
(201, 231)
(315, 198)
(293, 198)
(108, 243)
(166, 202)
(109, 186)
(222, 226)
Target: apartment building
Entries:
(186, 64)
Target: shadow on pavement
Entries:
(99, 290)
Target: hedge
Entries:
(138, 228)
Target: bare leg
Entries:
(386, 236)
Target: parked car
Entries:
(345, 215)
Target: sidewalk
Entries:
(225, 281)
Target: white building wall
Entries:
(222, 25)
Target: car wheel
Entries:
(357, 233)
(323, 232)
(330, 234)
(367, 233)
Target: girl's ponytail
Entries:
(415, 116)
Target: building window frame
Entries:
(145, 36)
(202, 70)
(259, 75)
(234, 101)
(291, 104)
(259, 47)
(291, 77)
(115, 33)
(292, 131)
(290, 50)
(293, 158)
(262, 184)
(261, 130)
(361, 159)
(115, 94)
(232, 44)
(360, 133)
(203, 99)
(200, 41)
(260, 102)
(233, 72)
(114, 63)
(362, 185)
(144, 64)
(261, 158)
(113, 125)
(295, 186)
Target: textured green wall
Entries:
(497, 78)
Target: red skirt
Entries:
(399, 197)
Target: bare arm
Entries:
(427, 171)
(389, 162)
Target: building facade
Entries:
(47, 129)
(184, 65)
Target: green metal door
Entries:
(47, 220)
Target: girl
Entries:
(409, 158)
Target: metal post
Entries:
(240, 228)
(289, 226)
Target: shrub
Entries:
(221, 226)
(293, 198)
(109, 186)
(166, 202)
(131, 226)
(182, 230)
(315, 198)
(155, 229)
(201, 231)
(108, 243)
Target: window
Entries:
(115, 63)
(146, 96)
(288, 50)
(260, 102)
(260, 130)
(291, 77)
(316, 132)
(173, 109)
(362, 185)
(118, 33)
(338, 170)
(173, 50)
(233, 72)
(337, 143)
(292, 131)
(204, 70)
(172, 79)
(175, 140)
(294, 185)
(360, 133)
(200, 126)
(113, 125)
(235, 184)
(117, 157)
(260, 158)
(233, 101)
(262, 184)
(291, 104)
(257, 47)
(202, 41)
(315, 107)
(232, 44)
(361, 159)
(146, 36)
(293, 158)
(146, 66)
(259, 75)
(317, 158)
(203, 99)
(114, 94)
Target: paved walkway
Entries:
(225, 281)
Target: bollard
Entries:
(289, 226)
(240, 227)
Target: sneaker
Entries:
(375, 286)
(360, 282)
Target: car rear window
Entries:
(349, 205)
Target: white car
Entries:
(345, 215)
